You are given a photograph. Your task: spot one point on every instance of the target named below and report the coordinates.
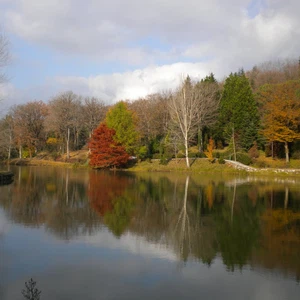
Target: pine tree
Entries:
(238, 110)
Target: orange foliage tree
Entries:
(210, 148)
(281, 113)
(105, 152)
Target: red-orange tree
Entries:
(105, 152)
(281, 113)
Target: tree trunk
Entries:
(286, 150)
(233, 144)
(233, 201)
(200, 140)
(286, 197)
(186, 145)
(9, 148)
(68, 144)
(20, 152)
(272, 145)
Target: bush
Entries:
(180, 155)
(143, 151)
(156, 156)
(55, 155)
(296, 155)
(243, 158)
(221, 161)
(253, 151)
(164, 161)
(262, 164)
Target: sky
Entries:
(126, 49)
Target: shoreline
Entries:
(197, 166)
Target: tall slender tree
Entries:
(191, 107)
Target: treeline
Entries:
(248, 111)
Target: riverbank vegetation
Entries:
(252, 117)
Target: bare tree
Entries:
(94, 112)
(29, 124)
(192, 106)
(65, 117)
(153, 117)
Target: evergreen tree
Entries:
(238, 110)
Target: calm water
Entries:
(84, 234)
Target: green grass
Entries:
(197, 166)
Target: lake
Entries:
(86, 234)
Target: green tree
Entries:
(238, 110)
(123, 121)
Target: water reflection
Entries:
(245, 221)
(56, 199)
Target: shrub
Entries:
(296, 155)
(143, 151)
(221, 161)
(156, 156)
(253, 151)
(180, 155)
(262, 164)
(243, 158)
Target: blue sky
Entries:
(126, 49)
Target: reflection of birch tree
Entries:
(192, 233)
(183, 222)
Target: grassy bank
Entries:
(200, 165)
(197, 166)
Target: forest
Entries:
(242, 115)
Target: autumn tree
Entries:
(281, 113)
(123, 121)
(192, 107)
(273, 72)
(106, 152)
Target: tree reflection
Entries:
(245, 223)
(280, 240)
(52, 198)
(111, 197)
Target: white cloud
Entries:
(156, 38)
(135, 84)
(130, 243)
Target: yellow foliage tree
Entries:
(281, 113)
(210, 148)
